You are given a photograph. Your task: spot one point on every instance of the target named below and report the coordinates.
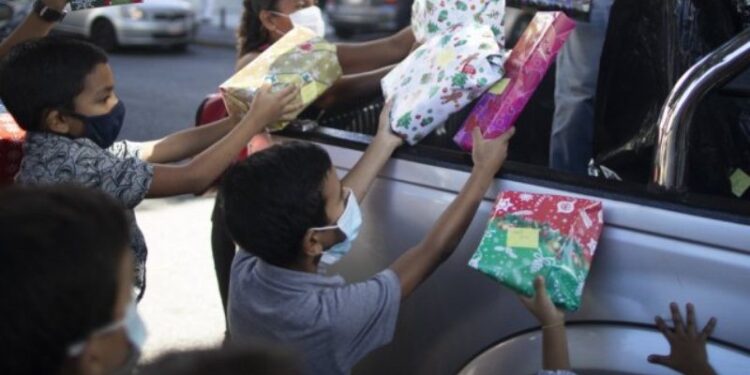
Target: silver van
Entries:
(659, 244)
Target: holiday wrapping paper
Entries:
(299, 58)
(538, 234)
(440, 78)
(86, 4)
(435, 17)
(580, 9)
(11, 146)
(499, 108)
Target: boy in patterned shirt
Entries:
(62, 92)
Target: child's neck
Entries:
(308, 265)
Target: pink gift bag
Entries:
(499, 108)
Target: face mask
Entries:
(349, 224)
(310, 17)
(135, 330)
(104, 129)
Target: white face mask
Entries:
(349, 224)
(310, 17)
(134, 329)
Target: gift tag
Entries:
(523, 237)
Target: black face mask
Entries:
(104, 129)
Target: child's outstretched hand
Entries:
(687, 352)
(385, 135)
(541, 305)
(268, 107)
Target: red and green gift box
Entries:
(529, 235)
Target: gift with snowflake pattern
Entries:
(440, 78)
(499, 108)
(87, 4)
(540, 234)
(299, 58)
(436, 17)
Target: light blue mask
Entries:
(349, 224)
(134, 329)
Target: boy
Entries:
(66, 277)
(61, 91)
(288, 211)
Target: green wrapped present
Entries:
(540, 234)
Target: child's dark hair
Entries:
(251, 34)
(273, 197)
(257, 359)
(61, 249)
(45, 74)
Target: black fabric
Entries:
(649, 45)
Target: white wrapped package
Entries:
(440, 78)
(435, 17)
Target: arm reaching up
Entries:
(687, 354)
(554, 341)
(32, 27)
(419, 262)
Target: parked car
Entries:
(12, 13)
(168, 23)
(660, 244)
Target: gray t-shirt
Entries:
(331, 323)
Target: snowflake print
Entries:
(504, 205)
(525, 197)
(592, 245)
(565, 207)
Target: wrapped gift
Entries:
(499, 108)
(11, 146)
(580, 9)
(440, 78)
(299, 58)
(434, 17)
(538, 234)
(86, 4)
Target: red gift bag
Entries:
(11, 147)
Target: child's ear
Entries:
(311, 243)
(56, 122)
(266, 19)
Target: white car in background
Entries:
(169, 23)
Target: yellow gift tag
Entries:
(523, 237)
(740, 182)
(499, 87)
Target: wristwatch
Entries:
(46, 13)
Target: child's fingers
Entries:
(679, 326)
(660, 360)
(527, 302)
(476, 135)
(662, 326)
(691, 330)
(540, 288)
(708, 330)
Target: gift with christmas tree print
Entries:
(87, 4)
(440, 78)
(11, 146)
(540, 234)
(435, 17)
(498, 109)
(579, 9)
(299, 58)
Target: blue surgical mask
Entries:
(135, 330)
(104, 129)
(349, 224)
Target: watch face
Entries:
(46, 13)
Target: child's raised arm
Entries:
(687, 354)
(360, 178)
(554, 342)
(201, 171)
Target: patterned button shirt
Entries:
(53, 159)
